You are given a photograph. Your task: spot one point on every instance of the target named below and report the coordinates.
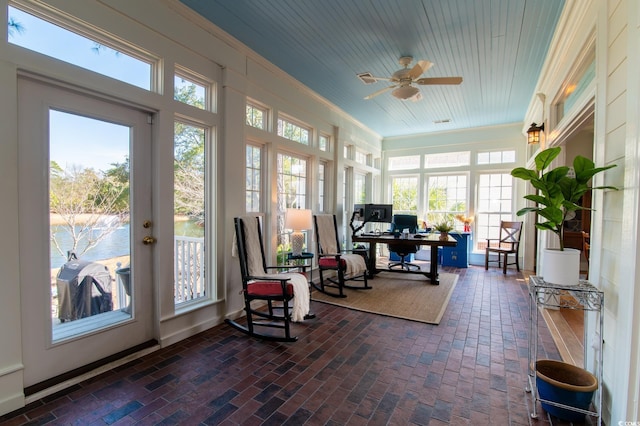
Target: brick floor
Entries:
(347, 367)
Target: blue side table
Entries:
(458, 256)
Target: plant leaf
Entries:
(585, 175)
(526, 210)
(544, 159)
(538, 199)
(524, 173)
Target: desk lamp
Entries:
(298, 220)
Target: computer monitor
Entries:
(379, 212)
(374, 212)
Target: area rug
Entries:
(406, 296)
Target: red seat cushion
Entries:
(331, 262)
(268, 288)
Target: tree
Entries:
(14, 27)
(189, 159)
(189, 170)
(87, 203)
(405, 195)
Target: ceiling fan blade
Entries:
(439, 80)
(419, 68)
(379, 92)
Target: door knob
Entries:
(148, 240)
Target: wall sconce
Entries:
(298, 220)
(533, 133)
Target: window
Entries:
(189, 212)
(98, 53)
(346, 180)
(323, 143)
(404, 193)
(497, 157)
(253, 183)
(576, 85)
(361, 157)
(447, 196)
(291, 193)
(404, 163)
(293, 131)
(256, 116)
(188, 89)
(495, 203)
(447, 159)
(359, 188)
(322, 170)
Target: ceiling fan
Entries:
(404, 78)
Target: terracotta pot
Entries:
(565, 384)
(444, 236)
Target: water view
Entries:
(115, 244)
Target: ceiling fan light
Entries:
(405, 92)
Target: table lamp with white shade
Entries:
(297, 220)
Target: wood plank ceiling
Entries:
(497, 46)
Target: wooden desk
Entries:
(432, 240)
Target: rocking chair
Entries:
(347, 266)
(286, 295)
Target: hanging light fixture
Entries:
(533, 133)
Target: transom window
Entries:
(323, 143)
(189, 90)
(256, 116)
(447, 159)
(293, 131)
(99, 53)
(497, 157)
(361, 157)
(404, 163)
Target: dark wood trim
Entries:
(38, 387)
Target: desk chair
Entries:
(286, 295)
(508, 243)
(401, 222)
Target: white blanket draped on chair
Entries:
(254, 262)
(355, 263)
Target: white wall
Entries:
(612, 27)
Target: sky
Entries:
(77, 140)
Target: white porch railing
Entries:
(188, 269)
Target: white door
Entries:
(86, 231)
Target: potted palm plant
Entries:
(558, 193)
(444, 228)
